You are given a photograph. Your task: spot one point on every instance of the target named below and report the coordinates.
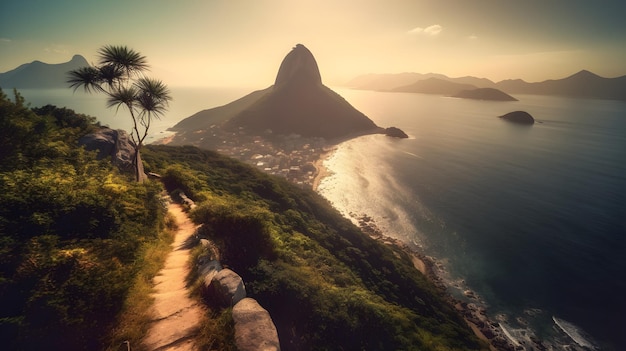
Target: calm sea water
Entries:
(533, 219)
(185, 102)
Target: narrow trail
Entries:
(176, 317)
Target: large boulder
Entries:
(254, 328)
(116, 145)
(225, 289)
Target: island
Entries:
(518, 117)
(491, 94)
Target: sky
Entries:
(242, 42)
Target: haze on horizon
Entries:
(241, 43)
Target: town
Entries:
(296, 158)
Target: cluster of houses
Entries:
(292, 157)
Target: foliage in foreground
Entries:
(72, 231)
(326, 285)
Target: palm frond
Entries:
(124, 96)
(111, 75)
(87, 77)
(153, 97)
(129, 60)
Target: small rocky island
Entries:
(395, 132)
(519, 117)
(485, 94)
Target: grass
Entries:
(135, 317)
(217, 331)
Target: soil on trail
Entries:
(176, 316)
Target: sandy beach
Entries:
(164, 141)
(320, 170)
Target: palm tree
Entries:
(120, 75)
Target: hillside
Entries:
(40, 75)
(583, 84)
(434, 86)
(73, 232)
(384, 82)
(326, 284)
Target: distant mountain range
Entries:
(40, 75)
(583, 84)
(297, 103)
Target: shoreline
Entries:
(165, 140)
(474, 314)
(321, 171)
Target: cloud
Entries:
(433, 30)
(5, 40)
(56, 49)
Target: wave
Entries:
(574, 332)
(507, 333)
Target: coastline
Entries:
(164, 141)
(474, 314)
(321, 171)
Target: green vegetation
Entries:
(80, 243)
(327, 285)
(73, 232)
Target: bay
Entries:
(531, 218)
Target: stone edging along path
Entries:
(177, 317)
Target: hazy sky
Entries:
(237, 42)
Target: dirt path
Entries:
(176, 316)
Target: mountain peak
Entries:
(584, 74)
(79, 59)
(298, 66)
(41, 75)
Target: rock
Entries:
(298, 66)
(114, 144)
(224, 289)
(395, 133)
(208, 269)
(254, 328)
(520, 117)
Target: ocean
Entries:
(532, 219)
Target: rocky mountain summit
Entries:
(297, 103)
